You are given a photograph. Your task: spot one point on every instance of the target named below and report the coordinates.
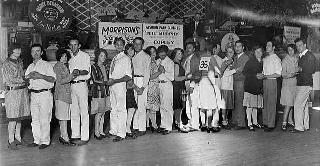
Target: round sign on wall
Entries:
(50, 15)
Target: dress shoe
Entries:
(131, 135)
(103, 135)
(43, 146)
(117, 139)
(296, 131)
(251, 128)
(22, 142)
(268, 129)
(239, 128)
(80, 142)
(284, 127)
(203, 129)
(66, 143)
(12, 145)
(98, 137)
(258, 126)
(165, 132)
(160, 130)
(32, 145)
(214, 129)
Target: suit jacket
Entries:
(308, 64)
(239, 64)
(190, 27)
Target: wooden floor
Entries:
(196, 148)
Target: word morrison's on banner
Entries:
(154, 34)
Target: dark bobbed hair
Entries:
(97, 53)
(12, 47)
(37, 45)
(163, 48)
(304, 41)
(292, 46)
(60, 53)
(139, 38)
(127, 47)
(119, 39)
(175, 51)
(148, 49)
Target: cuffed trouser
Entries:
(130, 115)
(118, 114)
(238, 114)
(79, 111)
(192, 108)
(269, 110)
(41, 112)
(301, 110)
(166, 105)
(139, 119)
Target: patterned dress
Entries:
(16, 101)
(153, 100)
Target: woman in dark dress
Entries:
(178, 88)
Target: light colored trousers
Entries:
(118, 114)
(166, 105)
(192, 108)
(79, 111)
(269, 110)
(41, 112)
(152, 115)
(301, 110)
(139, 119)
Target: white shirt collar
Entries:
(239, 55)
(303, 53)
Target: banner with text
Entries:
(108, 31)
(163, 34)
(291, 33)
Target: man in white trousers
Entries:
(141, 74)
(191, 66)
(41, 78)
(120, 73)
(79, 64)
(166, 77)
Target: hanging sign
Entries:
(291, 33)
(163, 34)
(50, 15)
(108, 31)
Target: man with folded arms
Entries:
(41, 77)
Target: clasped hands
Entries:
(34, 75)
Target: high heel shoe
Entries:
(66, 143)
(284, 127)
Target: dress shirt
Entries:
(120, 66)
(272, 65)
(168, 65)
(239, 55)
(42, 67)
(303, 53)
(81, 62)
(141, 66)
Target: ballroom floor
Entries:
(196, 148)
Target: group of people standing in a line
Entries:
(190, 89)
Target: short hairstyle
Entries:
(74, 38)
(119, 39)
(148, 49)
(239, 41)
(60, 53)
(97, 53)
(175, 51)
(291, 46)
(127, 47)
(304, 41)
(258, 46)
(37, 45)
(139, 38)
(12, 47)
(191, 43)
(162, 48)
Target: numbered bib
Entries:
(204, 63)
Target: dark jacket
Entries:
(239, 63)
(190, 27)
(194, 67)
(251, 83)
(98, 90)
(308, 65)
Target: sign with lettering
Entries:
(163, 34)
(204, 63)
(313, 7)
(291, 33)
(50, 15)
(108, 31)
(102, 11)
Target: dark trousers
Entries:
(238, 114)
(269, 102)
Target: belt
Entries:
(162, 81)
(74, 82)
(16, 87)
(38, 91)
(138, 76)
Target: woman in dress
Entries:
(178, 88)
(16, 95)
(62, 95)
(289, 82)
(153, 99)
(100, 92)
(253, 86)
(131, 103)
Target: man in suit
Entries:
(238, 114)
(194, 31)
(307, 67)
